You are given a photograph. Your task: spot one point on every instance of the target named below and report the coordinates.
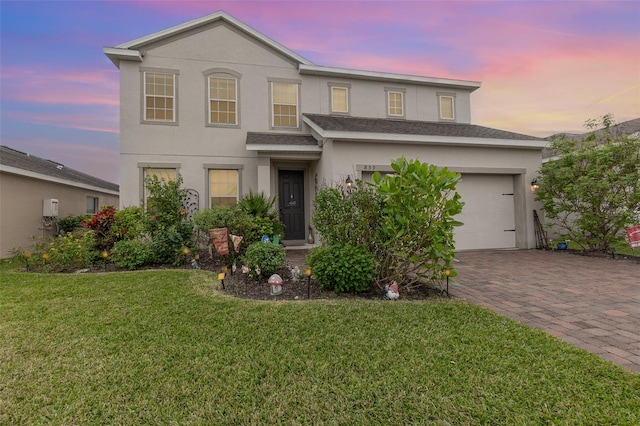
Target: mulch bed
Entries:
(242, 286)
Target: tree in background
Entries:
(592, 190)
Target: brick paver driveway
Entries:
(591, 302)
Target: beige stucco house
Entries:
(35, 193)
(232, 110)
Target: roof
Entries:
(133, 51)
(130, 49)
(42, 168)
(388, 77)
(284, 142)
(626, 128)
(410, 127)
(255, 138)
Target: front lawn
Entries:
(162, 347)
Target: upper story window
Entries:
(447, 107)
(340, 99)
(395, 102)
(223, 97)
(284, 108)
(159, 96)
(223, 100)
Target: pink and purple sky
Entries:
(545, 66)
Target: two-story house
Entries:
(232, 110)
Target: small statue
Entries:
(194, 264)
(391, 292)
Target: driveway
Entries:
(593, 303)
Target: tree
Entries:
(420, 202)
(592, 190)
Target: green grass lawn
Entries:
(162, 347)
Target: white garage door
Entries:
(488, 214)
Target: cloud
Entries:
(43, 84)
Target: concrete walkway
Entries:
(593, 303)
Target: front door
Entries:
(291, 202)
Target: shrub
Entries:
(71, 223)
(68, 252)
(130, 223)
(266, 220)
(269, 257)
(169, 226)
(168, 242)
(416, 232)
(348, 218)
(101, 223)
(132, 254)
(342, 267)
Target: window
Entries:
(447, 107)
(285, 104)
(223, 97)
(395, 103)
(340, 100)
(92, 205)
(223, 187)
(159, 96)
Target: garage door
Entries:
(488, 214)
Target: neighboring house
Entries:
(32, 189)
(629, 128)
(232, 110)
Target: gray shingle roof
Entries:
(20, 160)
(255, 138)
(409, 127)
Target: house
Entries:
(35, 193)
(232, 110)
(630, 128)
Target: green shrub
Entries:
(132, 254)
(269, 257)
(168, 243)
(168, 223)
(348, 217)
(130, 223)
(68, 252)
(342, 267)
(71, 223)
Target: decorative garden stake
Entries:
(104, 255)
(307, 272)
(275, 282)
(447, 273)
(26, 255)
(221, 276)
(185, 252)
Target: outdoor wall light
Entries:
(535, 185)
(348, 182)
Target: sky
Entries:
(545, 66)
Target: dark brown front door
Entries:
(291, 200)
